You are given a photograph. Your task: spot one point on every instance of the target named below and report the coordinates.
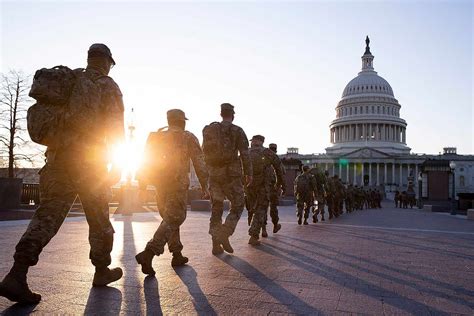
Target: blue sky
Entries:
(283, 65)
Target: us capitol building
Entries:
(369, 144)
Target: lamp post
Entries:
(420, 183)
(452, 165)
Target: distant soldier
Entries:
(168, 153)
(304, 191)
(226, 151)
(76, 163)
(258, 191)
(319, 193)
(274, 194)
(349, 198)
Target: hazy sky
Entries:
(283, 65)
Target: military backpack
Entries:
(303, 184)
(218, 144)
(66, 100)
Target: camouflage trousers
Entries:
(59, 186)
(257, 198)
(172, 208)
(320, 208)
(232, 189)
(303, 205)
(274, 199)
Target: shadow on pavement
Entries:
(104, 300)
(187, 274)
(285, 297)
(347, 280)
(152, 296)
(19, 309)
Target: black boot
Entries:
(254, 241)
(178, 259)
(305, 221)
(15, 288)
(104, 276)
(276, 228)
(315, 218)
(145, 259)
(299, 219)
(216, 247)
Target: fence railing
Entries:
(30, 193)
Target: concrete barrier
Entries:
(470, 214)
(428, 207)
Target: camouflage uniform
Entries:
(258, 191)
(305, 185)
(226, 182)
(79, 166)
(274, 191)
(171, 191)
(319, 193)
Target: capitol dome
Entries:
(368, 115)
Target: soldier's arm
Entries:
(197, 157)
(243, 147)
(276, 163)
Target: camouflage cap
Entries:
(176, 115)
(258, 137)
(305, 168)
(227, 107)
(272, 145)
(100, 50)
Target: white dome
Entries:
(367, 82)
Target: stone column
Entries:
(385, 173)
(416, 174)
(370, 173)
(393, 172)
(347, 172)
(355, 173)
(401, 174)
(356, 136)
(362, 175)
(378, 177)
(340, 171)
(326, 168)
(333, 169)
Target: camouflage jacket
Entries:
(178, 174)
(241, 159)
(264, 159)
(79, 146)
(272, 175)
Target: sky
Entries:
(283, 65)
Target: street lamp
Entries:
(420, 183)
(452, 165)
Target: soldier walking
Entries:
(274, 194)
(304, 192)
(76, 163)
(226, 152)
(258, 191)
(168, 153)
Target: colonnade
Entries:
(368, 131)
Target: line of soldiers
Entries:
(314, 189)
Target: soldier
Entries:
(168, 153)
(350, 198)
(274, 195)
(319, 193)
(222, 144)
(258, 191)
(304, 191)
(77, 166)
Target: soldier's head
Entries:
(257, 141)
(99, 57)
(326, 173)
(305, 169)
(176, 118)
(227, 112)
(273, 147)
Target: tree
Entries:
(14, 102)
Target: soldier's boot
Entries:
(264, 231)
(315, 218)
(145, 259)
(15, 288)
(254, 241)
(300, 218)
(216, 247)
(305, 221)
(178, 259)
(224, 241)
(276, 228)
(104, 276)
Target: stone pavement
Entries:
(379, 262)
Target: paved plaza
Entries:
(379, 262)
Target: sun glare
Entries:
(127, 157)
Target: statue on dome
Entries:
(367, 42)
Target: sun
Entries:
(128, 157)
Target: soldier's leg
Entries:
(307, 206)
(274, 207)
(321, 211)
(56, 197)
(258, 218)
(299, 210)
(234, 190)
(217, 206)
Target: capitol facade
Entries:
(369, 143)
